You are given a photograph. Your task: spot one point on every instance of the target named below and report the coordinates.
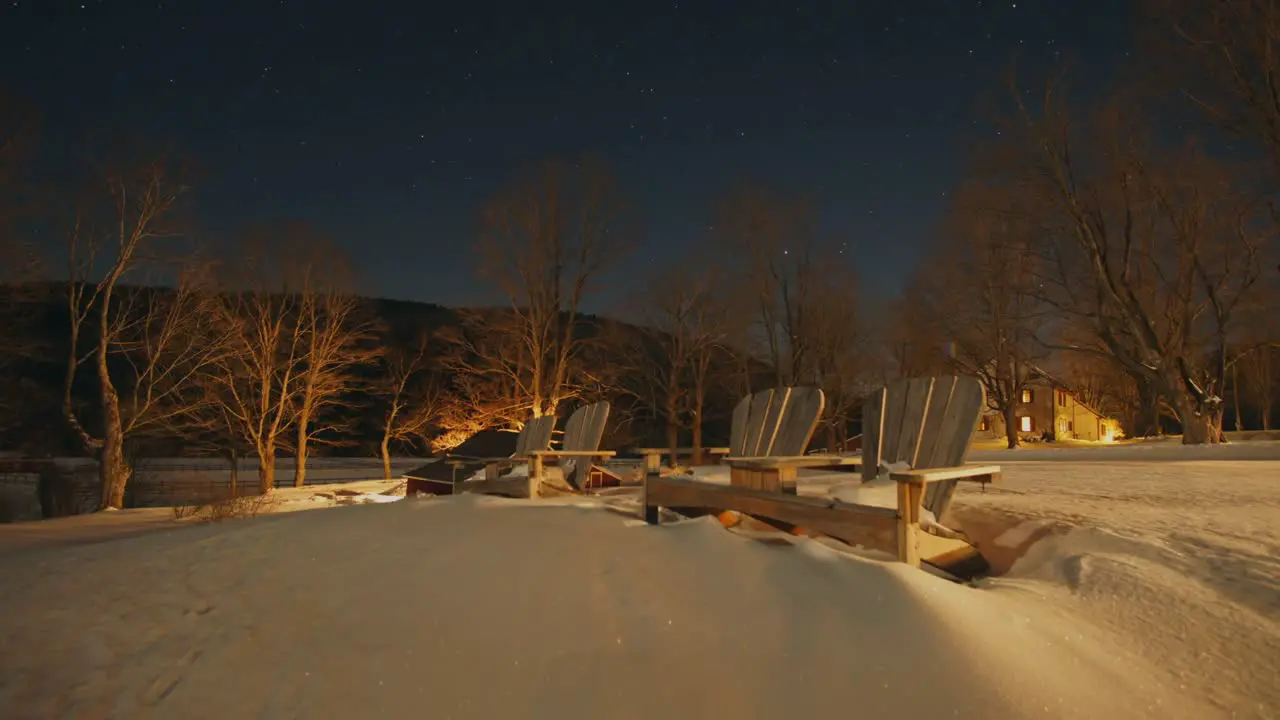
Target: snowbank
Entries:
(1176, 559)
(479, 607)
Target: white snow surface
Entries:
(1136, 589)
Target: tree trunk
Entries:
(267, 470)
(1148, 412)
(1235, 390)
(673, 427)
(113, 469)
(1200, 426)
(1266, 388)
(300, 464)
(697, 435)
(1011, 427)
(699, 401)
(673, 441)
(386, 457)
(235, 471)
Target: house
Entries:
(1048, 409)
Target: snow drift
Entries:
(480, 607)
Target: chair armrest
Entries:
(976, 473)
(680, 451)
(795, 461)
(464, 459)
(573, 453)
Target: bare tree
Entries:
(414, 397)
(544, 242)
(254, 383)
(804, 293)
(686, 325)
(980, 289)
(771, 244)
(335, 334)
(1227, 55)
(489, 376)
(1149, 247)
(155, 334)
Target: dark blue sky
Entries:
(387, 124)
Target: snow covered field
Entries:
(1135, 587)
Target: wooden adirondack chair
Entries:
(923, 425)
(573, 460)
(534, 436)
(778, 421)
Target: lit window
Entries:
(1026, 423)
(1026, 396)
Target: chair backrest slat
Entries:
(738, 428)
(925, 423)
(775, 422)
(803, 410)
(584, 431)
(873, 411)
(760, 403)
(914, 408)
(535, 435)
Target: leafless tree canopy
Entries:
(688, 326)
(144, 343)
(803, 294)
(544, 243)
(292, 339)
(413, 395)
(1226, 56)
(1150, 245)
(978, 294)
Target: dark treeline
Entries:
(1122, 238)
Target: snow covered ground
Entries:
(1174, 549)
(1135, 588)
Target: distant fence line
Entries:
(159, 482)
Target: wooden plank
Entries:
(871, 527)
(801, 461)
(680, 451)
(760, 403)
(574, 453)
(933, 475)
(928, 454)
(954, 438)
(774, 478)
(914, 410)
(872, 433)
(539, 432)
(522, 441)
(908, 523)
(738, 428)
(803, 411)
(961, 421)
(895, 404)
(779, 403)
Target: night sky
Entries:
(387, 124)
